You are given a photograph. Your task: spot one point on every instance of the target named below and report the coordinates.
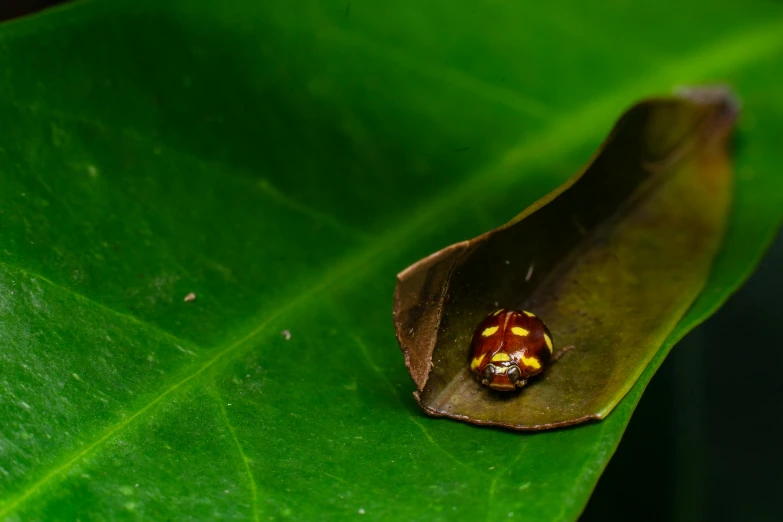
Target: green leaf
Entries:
(612, 260)
(283, 163)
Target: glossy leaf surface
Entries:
(611, 261)
(284, 164)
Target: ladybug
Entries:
(509, 347)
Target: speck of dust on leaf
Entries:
(190, 297)
(286, 334)
(181, 349)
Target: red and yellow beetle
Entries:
(509, 347)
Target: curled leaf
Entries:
(610, 261)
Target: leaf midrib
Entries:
(563, 134)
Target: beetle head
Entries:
(503, 377)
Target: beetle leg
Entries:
(562, 351)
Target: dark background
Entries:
(16, 8)
(705, 440)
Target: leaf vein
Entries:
(414, 420)
(453, 77)
(109, 310)
(229, 170)
(245, 460)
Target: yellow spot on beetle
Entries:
(548, 342)
(531, 362)
(476, 362)
(501, 356)
(517, 330)
(498, 312)
(529, 314)
(489, 331)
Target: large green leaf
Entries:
(284, 163)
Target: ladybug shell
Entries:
(515, 345)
